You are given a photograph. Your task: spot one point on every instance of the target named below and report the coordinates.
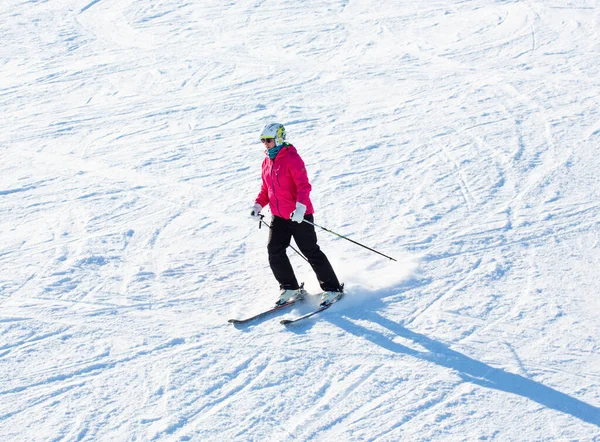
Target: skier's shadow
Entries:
(467, 368)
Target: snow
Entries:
(460, 138)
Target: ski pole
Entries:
(291, 246)
(351, 240)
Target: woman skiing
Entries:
(285, 188)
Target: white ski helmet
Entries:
(274, 130)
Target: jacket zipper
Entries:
(273, 181)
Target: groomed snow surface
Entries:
(461, 138)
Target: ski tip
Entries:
(234, 321)
(285, 322)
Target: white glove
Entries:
(255, 214)
(298, 214)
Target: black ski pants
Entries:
(304, 235)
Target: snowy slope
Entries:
(460, 137)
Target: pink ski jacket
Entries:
(284, 182)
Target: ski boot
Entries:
(288, 295)
(329, 297)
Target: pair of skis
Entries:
(278, 307)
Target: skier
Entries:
(285, 188)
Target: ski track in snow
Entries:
(460, 138)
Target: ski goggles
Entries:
(266, 140)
